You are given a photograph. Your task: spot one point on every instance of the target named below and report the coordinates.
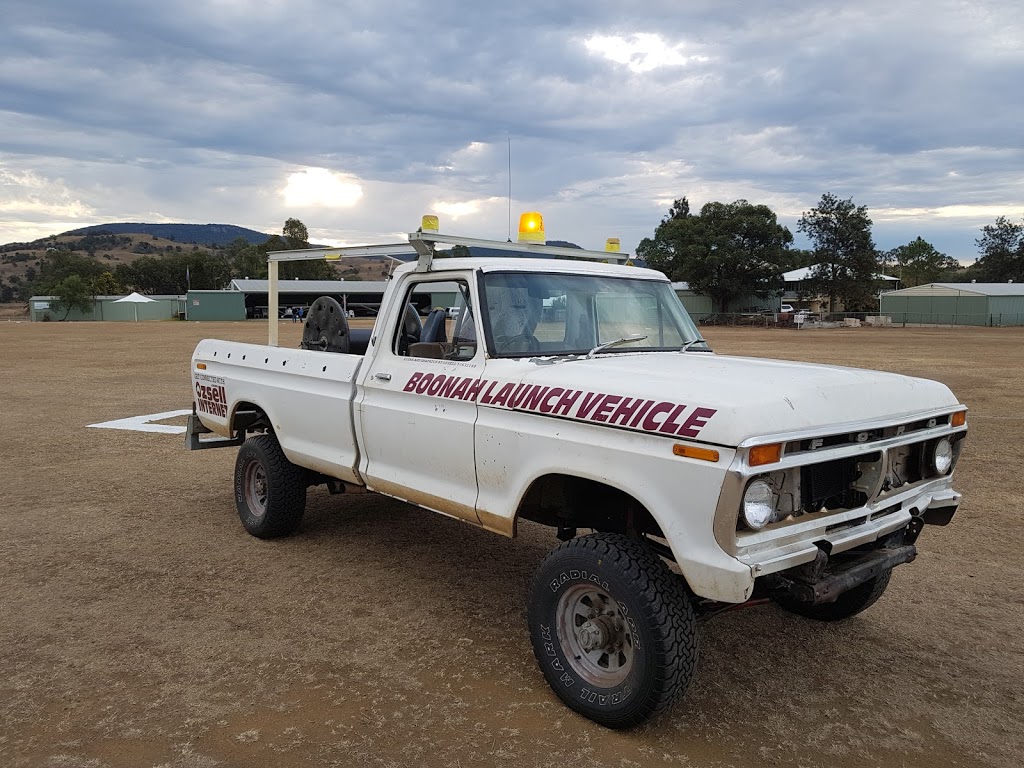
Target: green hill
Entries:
(198, 234)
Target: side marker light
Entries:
(692, 452)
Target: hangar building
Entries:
(956, 304)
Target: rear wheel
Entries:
(270, 491)
(612, 629)
(848, 604)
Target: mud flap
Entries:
(195, 428)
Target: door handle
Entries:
(382, 376)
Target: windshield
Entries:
(560, 314)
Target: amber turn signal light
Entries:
(959, 419)
(201, 366)
(765, 454)
(692, 452)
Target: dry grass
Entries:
(141, 626)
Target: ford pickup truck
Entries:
(580, 396)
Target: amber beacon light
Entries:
(611, 245)
(429, 223)
(531, 228)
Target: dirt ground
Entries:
(141, 626)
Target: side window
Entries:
(446, 332)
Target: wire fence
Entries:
(858, 319)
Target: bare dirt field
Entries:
(141, 626)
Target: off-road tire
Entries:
(658, 628)
(270, 491)
(850, 603)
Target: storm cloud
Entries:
(358, 117)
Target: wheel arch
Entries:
(250, 417)
(564, 500)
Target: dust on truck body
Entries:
(580, 395)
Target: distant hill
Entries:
(199, 234)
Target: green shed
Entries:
(42, 308)
(696, 304)
(215, 305)
(956, 304)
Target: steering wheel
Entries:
(521, 342)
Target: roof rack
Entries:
(423, 245)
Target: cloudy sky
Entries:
(358, 116)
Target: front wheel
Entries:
(612, 629)
(848, 604)
(270, 491)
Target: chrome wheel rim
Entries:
(594, 634)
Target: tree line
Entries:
(726, 251)
(732, 250)
(75, 278)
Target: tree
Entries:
(847, 263)
(246, 259)
(918, 262)
(106, 285)
(1002, 251)
(175, 273)
(73, 292)
(58, 265)
(728, 251)
(295, 236)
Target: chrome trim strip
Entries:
(856, 426)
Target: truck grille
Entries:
(828, 485)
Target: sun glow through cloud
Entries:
(321, 188)
(642, 52)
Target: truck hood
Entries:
(730, 399)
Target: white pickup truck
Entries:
(580, 395)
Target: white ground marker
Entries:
(144, 423)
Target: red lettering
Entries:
(566, 401)
(534, 399)
(474, 389)
(501, 398)
(449, 385)
(461, 389)
(410, 385)
(485, 397)
(554, 392)
(601, 414)
(626, 409)
(640, 413)
(649, 423)
(669, 427)
(424, 383)
(519, 395)
(589, 401)
(436, 384)
(696, 420)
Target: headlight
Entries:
(942, 457)
(758, 505)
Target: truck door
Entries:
(417, 409)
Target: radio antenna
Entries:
(510, 189)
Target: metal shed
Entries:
(215, 305)
(106, 308)
(956, 304)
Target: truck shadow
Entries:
(758, 660)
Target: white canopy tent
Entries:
(135, 299)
